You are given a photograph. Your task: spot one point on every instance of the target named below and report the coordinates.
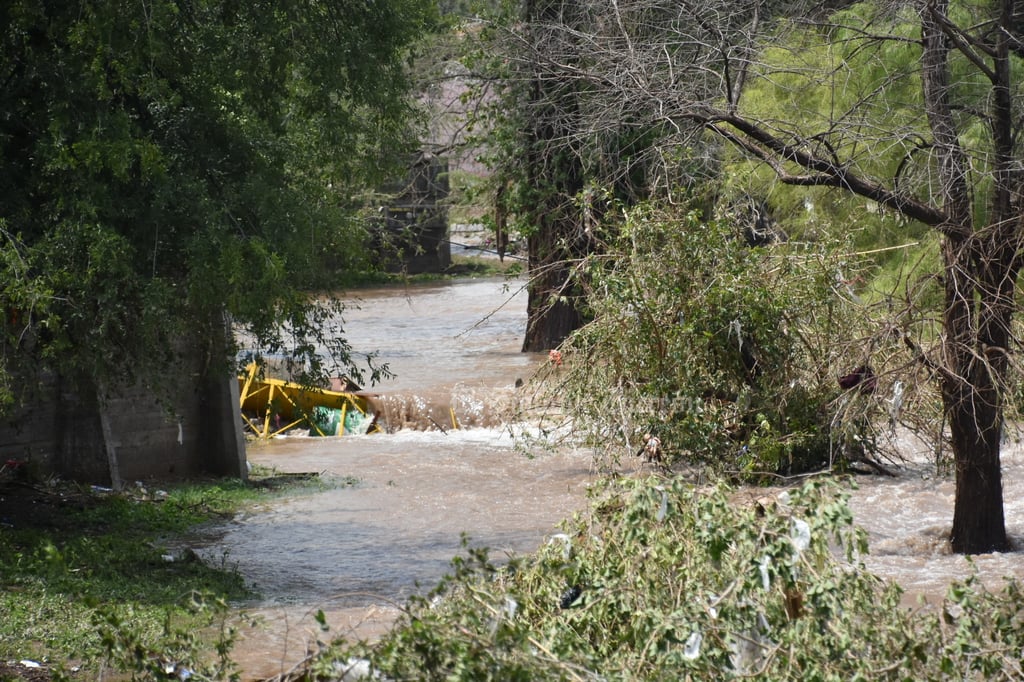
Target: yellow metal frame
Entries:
(277, 388)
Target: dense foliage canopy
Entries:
(163, 163)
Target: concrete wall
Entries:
(188, 427)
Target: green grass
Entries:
(461, 267)
(71, 560)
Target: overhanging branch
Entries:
(778, 154)
(964, 42)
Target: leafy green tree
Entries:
(920, 170)
(165, 163)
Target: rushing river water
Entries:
(355, 551)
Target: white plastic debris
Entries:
(736, 327)
(354, 669)
(800, 536)
(896, 402)
(713, 600)
(663, 509)
(764, 566)
(691, 649)
(744, 651)
(30, 664)
(566, 544)
(511, 606)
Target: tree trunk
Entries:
(980, 276)
(975, 366)
(552, 306)
(978, 523)
(554, 171)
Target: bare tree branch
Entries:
(775, 152)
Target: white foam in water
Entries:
(908, 519)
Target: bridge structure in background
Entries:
(411, 232)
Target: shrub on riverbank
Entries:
(747, 360)
(661, 580)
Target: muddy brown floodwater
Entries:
(356, 551)
(908, 519)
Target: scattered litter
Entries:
(184, 554)
(765, 566)
(511, 606)
(570, 596)
(895, 403)
(14, 465)
(566, 544)
(691, 650)
(177, 670)
(801, 536)
(651, 448)
(663, 509)
(355, 669)
(736, 327)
